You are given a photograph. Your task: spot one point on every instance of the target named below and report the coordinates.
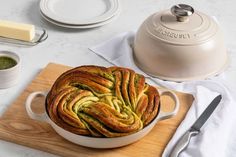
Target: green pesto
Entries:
(6, 62)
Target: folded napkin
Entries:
(217, 138)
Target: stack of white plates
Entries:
(79, 13)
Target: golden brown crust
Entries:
(99, 101)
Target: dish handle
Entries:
(28, 104)
(165, 115)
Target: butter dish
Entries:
(21, 33)
(40, 36)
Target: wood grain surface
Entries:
(17, 127)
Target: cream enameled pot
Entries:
(180, 44)
(96, 142)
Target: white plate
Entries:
(79, 26)
(79, 12)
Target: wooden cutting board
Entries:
(17, 127)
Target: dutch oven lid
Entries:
(181, 25)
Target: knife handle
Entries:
(183, 143)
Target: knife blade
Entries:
(195, 128)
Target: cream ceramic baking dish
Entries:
(180, 44)
(96, 142)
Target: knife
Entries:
(195, 128)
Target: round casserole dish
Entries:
(108, 122)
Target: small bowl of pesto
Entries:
(9, 69)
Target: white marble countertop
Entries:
(70, 47)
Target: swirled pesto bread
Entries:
(102, 102)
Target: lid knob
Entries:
(182, 12)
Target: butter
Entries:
(15, 30)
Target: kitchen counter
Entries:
(70, 47)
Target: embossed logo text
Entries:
(172, 34)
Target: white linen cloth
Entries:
(217, 137)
